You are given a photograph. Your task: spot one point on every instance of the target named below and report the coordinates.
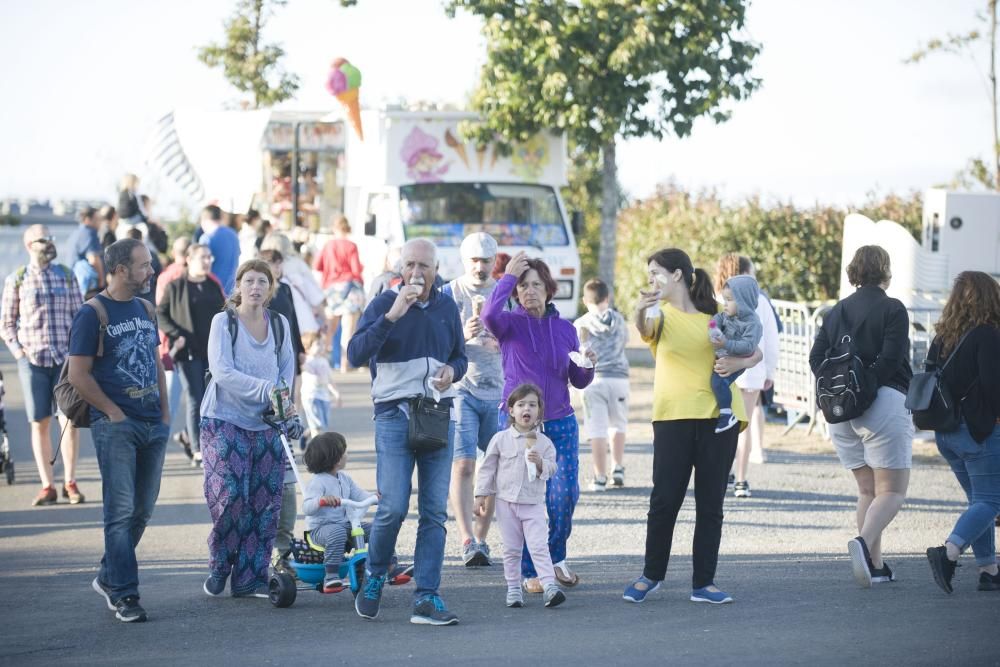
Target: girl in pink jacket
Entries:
(518, 462)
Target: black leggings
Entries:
(679, 446)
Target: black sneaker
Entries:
(942, 568)
(742, 489)
(368, 601)
(103, 591)
(618, 476)
(431, 611)
(214, 585)
(882, 575)
(128, 610)
(988, 582)
(861, 561)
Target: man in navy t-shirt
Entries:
(129, 418)
(224, 243)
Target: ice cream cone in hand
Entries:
(477, 305)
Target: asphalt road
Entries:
(783, 559)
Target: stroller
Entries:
(6, 463)
(305, 557)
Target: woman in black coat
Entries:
(969, 331)
(185, 313)
(877, 446)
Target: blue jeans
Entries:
(721, 389)
(977, 467)
(394, 473)
(192, 376)
(130, 456)
(317, 415)
(475, 424)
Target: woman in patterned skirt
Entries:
(243, 457)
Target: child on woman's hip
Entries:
(518, 462)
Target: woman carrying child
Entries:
(326, 520)
(685, 414)
(518, 462)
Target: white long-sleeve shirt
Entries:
(753, 378)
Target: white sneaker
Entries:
(599, 484)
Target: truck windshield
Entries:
(514, 214)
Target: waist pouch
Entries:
(429, 422)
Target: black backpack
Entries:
(929, 399)
(843, 390)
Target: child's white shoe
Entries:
(514, 598)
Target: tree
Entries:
(600, 70)
(966, 44)
(248, 64)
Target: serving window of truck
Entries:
(319, 183)
(514, 214)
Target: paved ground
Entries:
(783, 559)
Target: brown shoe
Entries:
(565, 576)
(47, 496)
(71, 492)
(532, 585)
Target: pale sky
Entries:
(838, 115)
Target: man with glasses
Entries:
(40, 300)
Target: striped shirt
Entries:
(38, 313)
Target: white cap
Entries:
(479, 244)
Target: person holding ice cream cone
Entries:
(518, 462)
(477, 405)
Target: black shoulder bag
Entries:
(930, 400)
(429, 422)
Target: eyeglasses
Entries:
(44, 239)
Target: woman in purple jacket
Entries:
(535, 344)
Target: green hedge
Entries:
(796, 250)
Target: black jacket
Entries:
(882, 337)
(974, 374)
(174, 311)
(282, 303)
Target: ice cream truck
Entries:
(414, 176)
(411, 175)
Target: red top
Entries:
(338, 262)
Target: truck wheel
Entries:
(281, 590)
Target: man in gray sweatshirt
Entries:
(734, 332)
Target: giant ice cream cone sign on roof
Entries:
(344, 83)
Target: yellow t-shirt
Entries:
(684, 359)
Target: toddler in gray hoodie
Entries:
(734, 332)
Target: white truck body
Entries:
(961, 232)
(413, 176)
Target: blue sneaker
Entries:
(712, 597)
(639, 589)
(431, 611)
(368, 601)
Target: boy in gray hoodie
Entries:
(734, 332)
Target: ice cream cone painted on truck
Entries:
(344, 83)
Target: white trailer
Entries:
(414, 176)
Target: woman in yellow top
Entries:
(684, 417)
